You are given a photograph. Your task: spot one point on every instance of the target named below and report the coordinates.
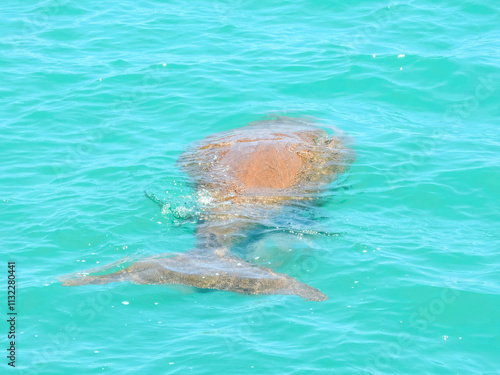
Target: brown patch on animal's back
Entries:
(266, 162)
(261, 164)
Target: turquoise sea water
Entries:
(97, 101)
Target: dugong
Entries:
(248, 173)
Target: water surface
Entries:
(99, 100)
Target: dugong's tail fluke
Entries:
(96, 280)
(207, 272)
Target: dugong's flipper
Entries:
(208, 272)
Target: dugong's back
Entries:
(274, 157)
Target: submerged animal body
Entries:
(248, 174)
